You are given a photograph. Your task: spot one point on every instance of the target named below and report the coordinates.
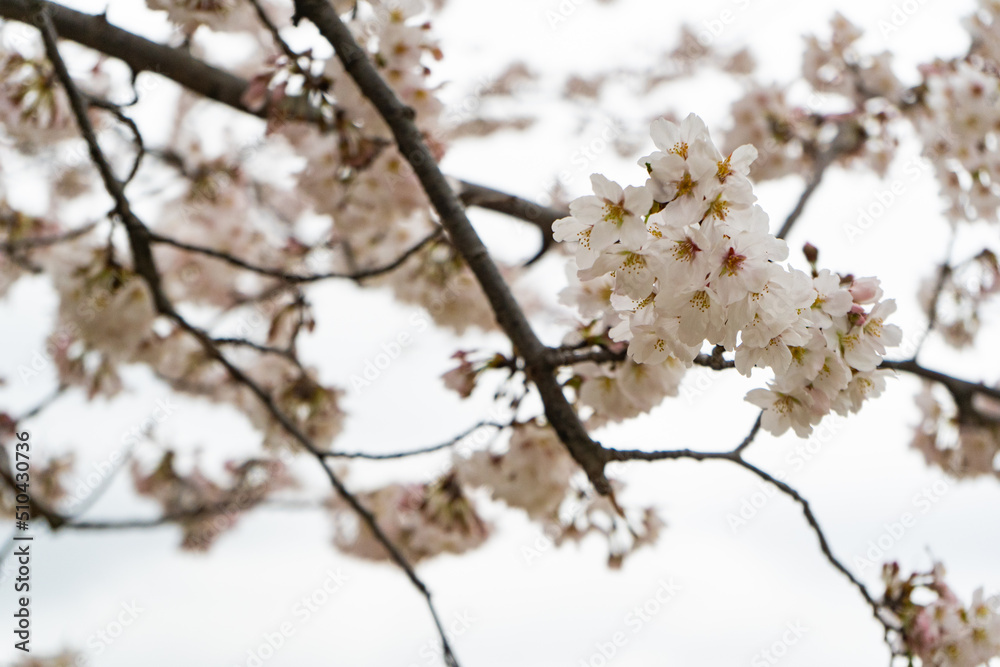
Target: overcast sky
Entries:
(712, 592)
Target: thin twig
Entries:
(275, 34)
(962, 391)
(735, 456)
(45, 241)
(416, 452)
(294, 278)
(266, 349)
(115, 110)
(944, 271)
(747, 441)
(44, 403)
(824, 160)
(225, 507)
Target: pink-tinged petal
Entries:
(866, 290)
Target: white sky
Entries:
(739, 590)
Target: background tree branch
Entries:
(509, 315)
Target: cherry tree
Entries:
(194, 246)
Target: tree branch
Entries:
(52, 517)
(569, 356)
(225, 507)
(848, 138)
(542, 217)
(139, 242)
(138, 235)
(962, 391)
(294, 278)
(400, 119)
(736, 456)
(143, 55)
(824, 160)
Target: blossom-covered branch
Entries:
(178, 65)
(507, 311)
(139, 241)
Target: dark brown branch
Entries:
(569, 356)
(824, 545)
(294, 278)
(289, 427)
(115, 110)
(542, 217)
(138, 235)
(400, 119)
(962, 391)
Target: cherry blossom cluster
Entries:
(349, 170)
(422, 520)
(202, 507)
(959, 120)
(218, 15)
(943, 632)
(33, 109)
(687, 259)
(958, 297)
(959, 124)
(795, 137)
(536, 474)
(963, 441)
